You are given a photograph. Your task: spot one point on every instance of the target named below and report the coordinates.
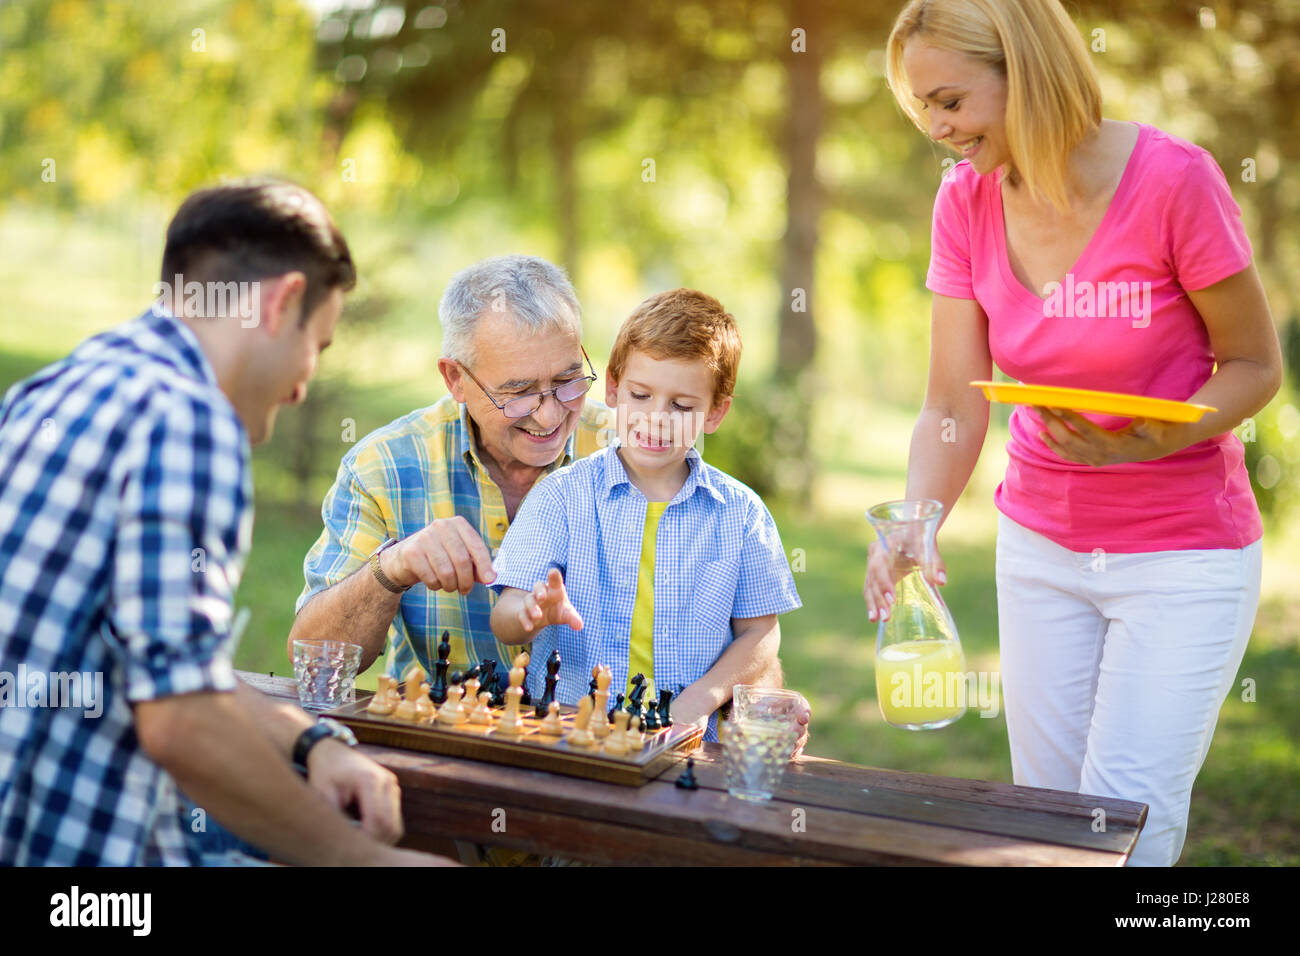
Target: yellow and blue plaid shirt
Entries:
(423, 466)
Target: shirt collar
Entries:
(469, 451)
(180, 347)
(698, 478)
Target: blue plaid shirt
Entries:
(718, 556)
(125, 519)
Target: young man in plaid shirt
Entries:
(125, 520)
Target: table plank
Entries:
(825, 812)
(704, 826)
(1118, 812)
(924, 804)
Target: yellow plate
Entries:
(1086, 400)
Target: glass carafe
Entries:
(920, 667)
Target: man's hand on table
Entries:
(445, 555)
(346, 778)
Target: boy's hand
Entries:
(547, 604)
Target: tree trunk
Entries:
(797, 332)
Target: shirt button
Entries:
(501, 526)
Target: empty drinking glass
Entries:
(326, 672)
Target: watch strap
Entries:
(315, 734)
(378, 572)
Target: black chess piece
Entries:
(438, 692)
(652, 716)
(618, 705)
(487, 677)
(665, 718)
(500, 681)
(634, 699)
(687, 780)
(638, 694)
(552, 678)
(591, 684)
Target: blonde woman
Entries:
(1128, 551)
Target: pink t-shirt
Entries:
(1120, 321)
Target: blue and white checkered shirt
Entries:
(718, 556)
(125, 520)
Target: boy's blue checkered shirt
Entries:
(125, 520)
(718, 556)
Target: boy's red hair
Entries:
(682, 324)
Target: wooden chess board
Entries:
(529, 749)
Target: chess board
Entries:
(529, 749)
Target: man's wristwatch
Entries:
(380, 576)
(325, 727)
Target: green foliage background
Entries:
(434, 151)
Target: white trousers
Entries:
(1115, 666)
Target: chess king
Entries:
(421, 506)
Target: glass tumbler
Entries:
(326, 672)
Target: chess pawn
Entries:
(452, 713)
(511, 723)
(407, 710)
(634, 739)
(652, 716)
(470, 698)
(551, 725)
(580, 736)
(482, 715)
(424, 711)
(617, 744)
(381, 704)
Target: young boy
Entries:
(642, 557)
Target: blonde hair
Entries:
(1053, 97)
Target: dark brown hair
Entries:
(256, 229)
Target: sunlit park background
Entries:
(750, 149)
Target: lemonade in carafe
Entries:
(920, 667)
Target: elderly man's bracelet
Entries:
(380, 576)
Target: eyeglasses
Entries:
(522, 406)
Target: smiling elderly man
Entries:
(427, 499)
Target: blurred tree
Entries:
(102, 102)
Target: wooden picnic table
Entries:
(826, 812)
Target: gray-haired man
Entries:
(427, 498)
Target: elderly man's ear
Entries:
(454, 377)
